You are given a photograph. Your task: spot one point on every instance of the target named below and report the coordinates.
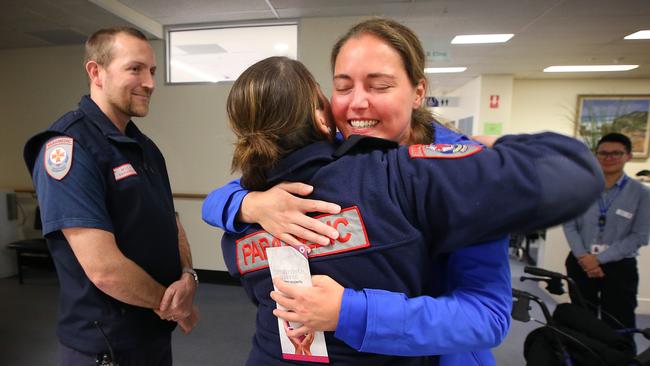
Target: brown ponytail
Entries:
(272, 108)
(254, 155)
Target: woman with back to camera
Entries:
(408, 207)
(379, 83)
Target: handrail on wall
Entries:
(186, 196)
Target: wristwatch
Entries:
(193, 273)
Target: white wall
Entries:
(36, 86)
(469, 97)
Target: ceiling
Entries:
(547, 32)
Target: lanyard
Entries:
(604, 206)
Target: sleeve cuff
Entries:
(607, 256)
(52, 226)
(577, 253)
(232, 225)
(351, 327)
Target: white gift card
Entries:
(292, 267)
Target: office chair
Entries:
(32, 251)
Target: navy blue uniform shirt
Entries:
(118, 183)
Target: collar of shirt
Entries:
(620, 183)
(104, 124)
(291, 166)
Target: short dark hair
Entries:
(100, 44)
(617, 137)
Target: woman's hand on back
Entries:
(283, 215)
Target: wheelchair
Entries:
(572, 335)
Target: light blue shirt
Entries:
(627, 224)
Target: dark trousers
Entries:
(614, 294)
(158, 353)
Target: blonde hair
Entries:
(408, 46)
(272, 108)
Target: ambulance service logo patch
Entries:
(443, 151)
(58, 157)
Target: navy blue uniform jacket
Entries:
(399, 210)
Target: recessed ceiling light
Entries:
(642, 34)
(590, 68)
(443, 70)
(481, 38)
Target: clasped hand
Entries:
(177, 304)
(591, 266)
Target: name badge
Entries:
(598, 248)
(627, 215)
(124, 171)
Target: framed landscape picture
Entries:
(599, 115)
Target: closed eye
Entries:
(381, 87)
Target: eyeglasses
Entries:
(610, 154)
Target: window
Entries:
(222, 53)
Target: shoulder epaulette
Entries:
(67, 120)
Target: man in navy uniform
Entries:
(122, 257)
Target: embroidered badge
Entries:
(251, 249)
(443, 151)
(58, 157)
(123, 171)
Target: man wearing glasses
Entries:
(605, 240)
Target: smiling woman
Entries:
(379, 83)
(379, 86)
(401, 207)
(373, 95)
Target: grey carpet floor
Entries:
(222, 337)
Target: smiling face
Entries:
(372, 92)
(122, 89)
(612, 157)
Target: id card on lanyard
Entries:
(603, 207)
